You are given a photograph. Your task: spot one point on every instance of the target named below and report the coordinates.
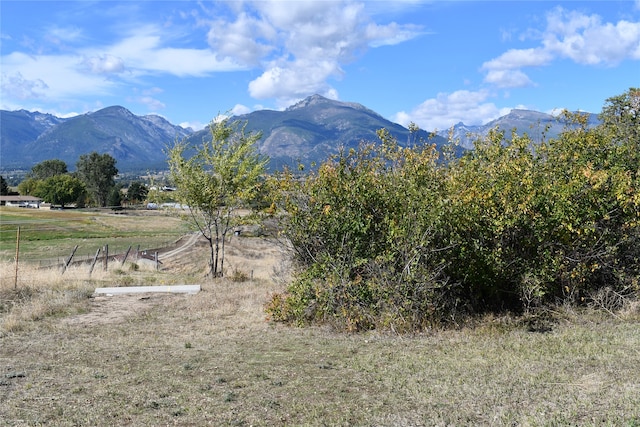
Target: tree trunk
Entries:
(216, 272)
(213, 257)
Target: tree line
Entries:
(92, 184)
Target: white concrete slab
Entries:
(179, 289)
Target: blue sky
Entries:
(435, 63)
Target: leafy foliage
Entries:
(60, 189)
(97, 171)
(47, 169)
(364, 239)
(395, 238)
(28, 186)
(221, 176)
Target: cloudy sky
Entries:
(435, 63)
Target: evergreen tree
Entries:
(4, 187)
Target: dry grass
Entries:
(213, 359)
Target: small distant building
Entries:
(21, 201)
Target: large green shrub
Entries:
(533, 224)
(362, 229)
(393, 237)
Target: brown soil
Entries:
(116, 309)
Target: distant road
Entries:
(188, 244)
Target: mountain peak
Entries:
(114, 110)
(309, 101)
(322, 102)
(523, 113)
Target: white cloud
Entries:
(392, 34)
(240, 109)
(247, 40)
(518, 58)
(508, 78)
(447, 109)
(152, 103)
(295, 80)
(143, 52)
(294, 48)
(584, 39)
(49, 77)
(193, 125)
(62, 35)
(104, 64)
(16, 86)
(66, 115)
(81, 71)
(153, 91)
(300, 46)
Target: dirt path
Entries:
(116, 309)
(185, 246)
(258, 259)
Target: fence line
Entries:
(114, 254)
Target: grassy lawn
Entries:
(213, 359)
(49, 235)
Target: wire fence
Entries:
(103, 254)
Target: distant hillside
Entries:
(537, 125)
(315, 128)
(136, 142)
(17, 129)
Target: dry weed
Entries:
(48, 292)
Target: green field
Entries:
(48, 235)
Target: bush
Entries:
(393, 237)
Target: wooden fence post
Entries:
(67, 262)
(125, 256)
(106, 258)
(15, 281)
(95, 258)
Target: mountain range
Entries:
(136, 142)
(306, 132)
(536, 125)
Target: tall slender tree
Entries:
(4, 187)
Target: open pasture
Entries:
(47, 236)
